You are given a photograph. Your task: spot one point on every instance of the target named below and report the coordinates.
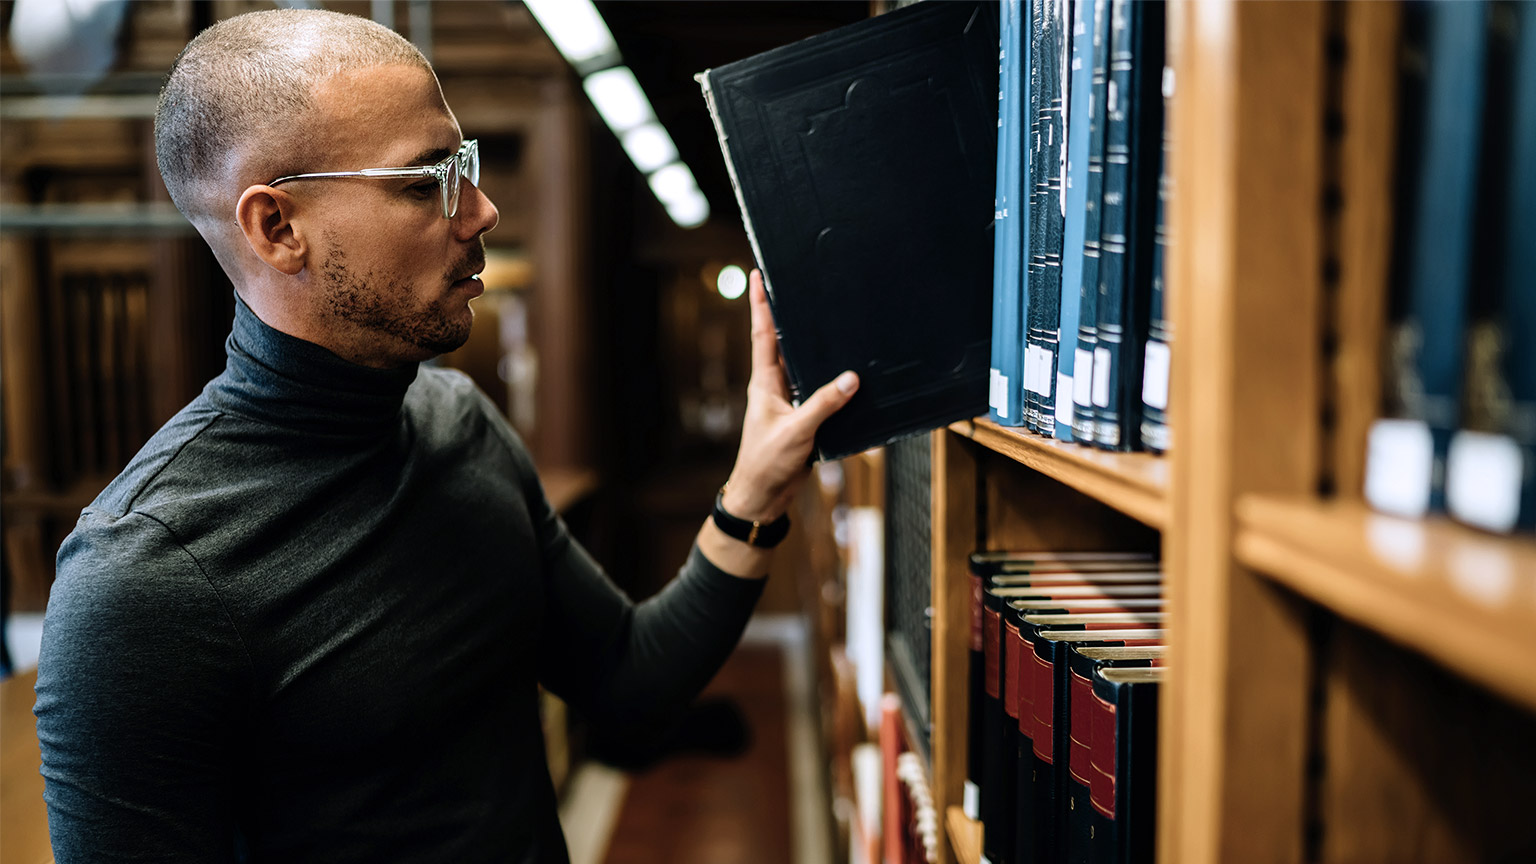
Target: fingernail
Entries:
(847, 382)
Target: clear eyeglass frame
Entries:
(462, 165)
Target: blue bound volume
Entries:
(1081, 92)
(1006, 339)
(1088, 291)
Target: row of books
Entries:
(1080, 340)
(1067, 656)
(1458, 432)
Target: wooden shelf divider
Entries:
(1464, 598)
(964, 836)
(1136, 484)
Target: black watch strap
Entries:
(762, 535)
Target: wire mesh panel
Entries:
(908, 555)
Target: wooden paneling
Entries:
(1245, 265)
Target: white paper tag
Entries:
(997, 395)
(1028, 383)
(972, 801)
(1399, 463)
(1482, 480)
(1154, 377)
(1063, 404)
(1101, 377)
(1042, 380)
(1082, 377)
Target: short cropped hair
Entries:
(246, 83)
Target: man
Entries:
(309, 620)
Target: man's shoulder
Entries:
(141, 482)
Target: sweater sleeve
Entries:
(138, 688)
(610, 657)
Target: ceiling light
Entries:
(673, 183)
(649, 147)
(690, 211)
(576, 29)
(618, 98)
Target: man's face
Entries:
(389, 274)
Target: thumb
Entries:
(828, 399)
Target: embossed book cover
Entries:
(864, 163)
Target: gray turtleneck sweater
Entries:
(308, 622)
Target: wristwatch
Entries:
(764, 536)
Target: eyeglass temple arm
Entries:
(424, 171)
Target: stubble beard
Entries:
(388, 307)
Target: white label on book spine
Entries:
(1101, 377)
(1040, 376)
(972, 800)
(1063, 404)
(997, 396)
(1482, 480)
(1399, 463)
(1082, 377)
(1154, 378)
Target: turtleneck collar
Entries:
(275, 378)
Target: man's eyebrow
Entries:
(431, 157)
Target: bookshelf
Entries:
(1344, 686)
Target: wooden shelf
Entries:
(1136, 484)
(1464, 598)
(964, 836)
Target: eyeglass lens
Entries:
(465, 165)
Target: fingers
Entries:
(827, 400)
(765, 345)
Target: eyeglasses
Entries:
(463, 164)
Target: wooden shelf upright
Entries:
(1343, 686)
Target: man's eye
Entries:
(423, 189)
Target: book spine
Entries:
(1101, 758)
(1038, 178)
(1046, 757)
(1445, 46)
(1054, 217)
(975, 757)
(1157, 362)
(1002, 398)
(1488, 466)
(1077, 833)
(1136, 772)
(1022, 849)
(1519, 368)
(1088, 292)
(1107, 432)
(1080, 91)
(992, 732)
(1145, 108)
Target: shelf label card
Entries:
(1082, 377)
(1154, 378)
(1482, 480)
(1399, 462)
(1063, 404)
(1101, 361)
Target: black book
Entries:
(1123, 793)
(1440, 122)
(864, 164)
(1027, 574)
(1082, 662)
(1131, 150)
(998, 733)
(1157, 361)
(1489, 467)
(1088, 292)
(1045, 670)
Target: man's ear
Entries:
(265, 218)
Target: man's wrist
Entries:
(763, 533)
(741, 503)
